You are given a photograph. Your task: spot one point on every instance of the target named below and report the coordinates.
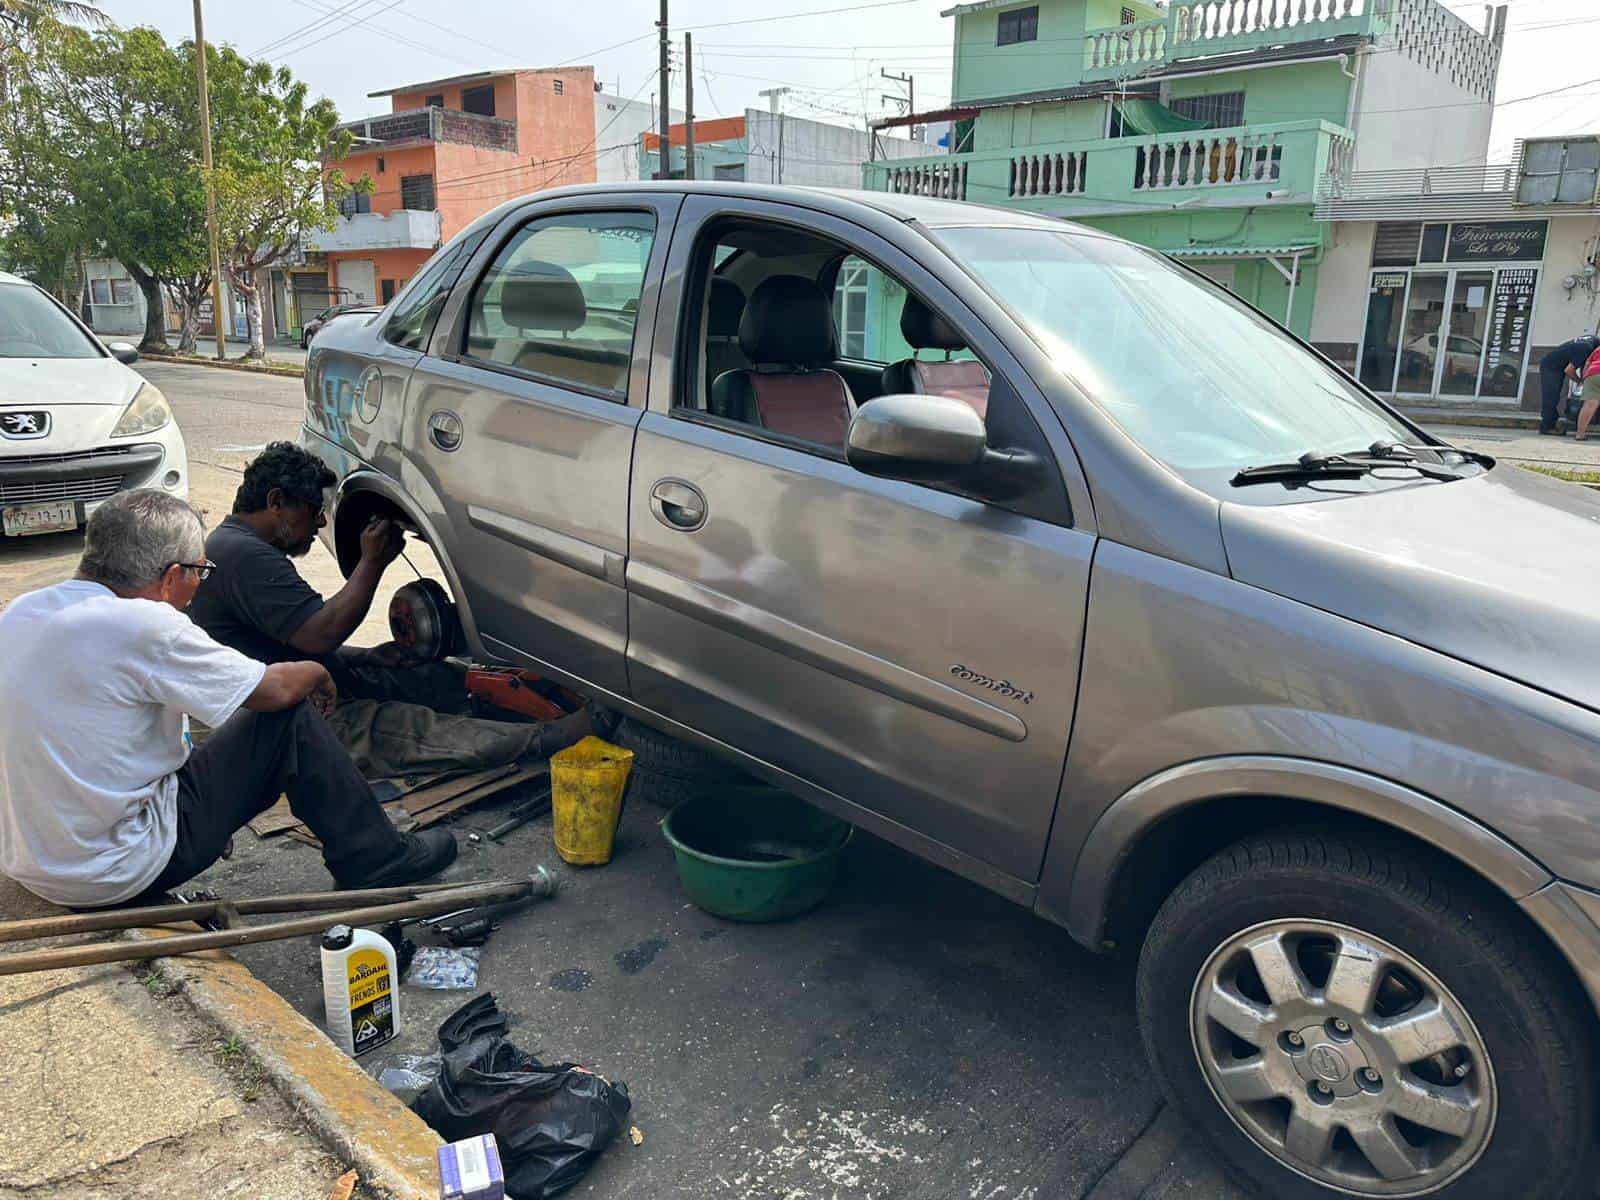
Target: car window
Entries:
(797, 333)
(561, 299)
(412, 323)
(33, 326)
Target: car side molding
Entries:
(1119, 830)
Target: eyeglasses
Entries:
(203, 568)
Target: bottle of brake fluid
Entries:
(360, 988)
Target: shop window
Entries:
(1018, 25)
(1223, 110)
(478, 100)
(1435, 238)
(1560, 171)
(1395, 243)
(416, 193)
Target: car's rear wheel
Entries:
(1344, 1016)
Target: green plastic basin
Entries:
(755, 853)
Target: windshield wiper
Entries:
(1311, 466)
(1402, 450)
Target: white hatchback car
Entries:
(76, 425)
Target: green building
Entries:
(1203, 128)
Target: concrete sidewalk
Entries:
(112, 1085)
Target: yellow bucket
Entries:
(586, 784)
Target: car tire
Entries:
(1518, 1086)
(666, 771)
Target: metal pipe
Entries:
(541, 886)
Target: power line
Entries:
(329, 16)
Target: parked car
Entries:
(1092, 585)
(310, 328)
(76, 425)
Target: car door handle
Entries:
(678, 505)
(444, 430)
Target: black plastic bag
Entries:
(551, 1122)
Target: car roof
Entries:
(925, 210)
(8, 277)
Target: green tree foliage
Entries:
(269, 145)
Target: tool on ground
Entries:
(375, 906)
(360, 988)
(516, 691)
(521, 813)
(471, 926)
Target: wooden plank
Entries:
(492, 788)
(423, 799)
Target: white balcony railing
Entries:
(1064, 174)
(1207, 160)
(404, 229)
(947, 181)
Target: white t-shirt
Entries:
(93, 692)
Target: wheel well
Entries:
(354, 511)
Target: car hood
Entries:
(49, 382)
(1496, 570)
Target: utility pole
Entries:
(773, 96)
(688, 105)
(211, 187)
(666, 96)
(909, 99)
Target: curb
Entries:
(388, 1145)
(283, 372)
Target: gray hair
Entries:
(135, 536)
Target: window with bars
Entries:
(1129, 16)
(1221, 110)
(561, 87)
(1559, 171)
(1018, 25)
(1394, 243)
(416, 193)
(355, 202)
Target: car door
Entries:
(909, 652)
(519, 425)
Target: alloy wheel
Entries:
(1343, 1057)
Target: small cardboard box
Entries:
(470, 1170)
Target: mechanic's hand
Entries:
(382, 540)
(325, 696)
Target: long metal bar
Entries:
(201, 910)
(541, 886)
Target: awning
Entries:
(1153, 117)
(1273, 255)
(1238, 251)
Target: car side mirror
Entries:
(124, 353)
(914, 436)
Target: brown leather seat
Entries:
(787, 331)
(545, 304)
(925, 329)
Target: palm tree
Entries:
(24, 14)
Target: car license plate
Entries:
(21, 520)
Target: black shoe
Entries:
(421, 856)
(1556, 431)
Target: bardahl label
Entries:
(371, 1005)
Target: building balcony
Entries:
(403, 229)
(1252, 164)
(1481, 192)
(434, 125)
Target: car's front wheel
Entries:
(1344, 1016)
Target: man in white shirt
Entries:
(101, 802)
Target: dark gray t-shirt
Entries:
(255, 599)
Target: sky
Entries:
(831, 53)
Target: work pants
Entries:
(1552, 382)
(242, 769)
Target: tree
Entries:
(269, 146)
(21, 15)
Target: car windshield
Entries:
(1196, 377)
(31, 326)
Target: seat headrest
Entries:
(541, 295)
(726, 307)
(925, 329)
(789, 319)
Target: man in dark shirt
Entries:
(257, 602)
(1561, 364)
